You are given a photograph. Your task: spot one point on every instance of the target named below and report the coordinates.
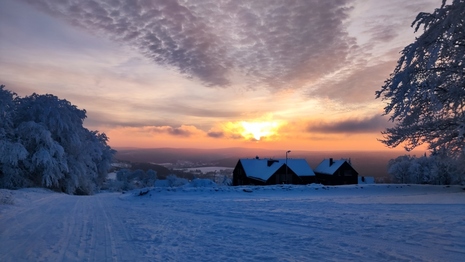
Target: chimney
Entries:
(331, 162)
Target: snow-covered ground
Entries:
(275, 223)
(206, 169)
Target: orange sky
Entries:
(136, 137)
(293, 75)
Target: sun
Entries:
(257, 130)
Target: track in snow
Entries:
(409, 224)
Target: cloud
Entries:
(365, 125)
(182, 131)
(274, 43)
(214, 134)
(356, 84)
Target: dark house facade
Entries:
(256, 171)
(336, 172)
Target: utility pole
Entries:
(287, 152)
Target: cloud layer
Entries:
(275, 43)
(373, 124)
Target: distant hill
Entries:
(367, 163)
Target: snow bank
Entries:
(6, 197)
(173, 181)
(24, 196)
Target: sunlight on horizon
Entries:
(257, 130)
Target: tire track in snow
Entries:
(108, 233)
(70, 222)
(33, 204)
(40, 223)
(124, 223)
(221, 228)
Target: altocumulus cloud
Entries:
(273, 42)
(376, 123)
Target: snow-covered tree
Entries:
(11, 151)
(399, 169)
(422, 170)
(43, 143)
(437, 169)
(448, 168)
(46, 162)
(426, 92)
(7, 104)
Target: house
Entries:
(336, 172)
(256, 171)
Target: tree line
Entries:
(436, 169)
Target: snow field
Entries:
(275, 223)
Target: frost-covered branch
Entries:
(425, 94)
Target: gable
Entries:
(300, 167)
(258, 168)
(263, 169)
(325, 168)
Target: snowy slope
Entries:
(274, 223)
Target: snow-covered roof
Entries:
(259, 168)
(329, 169)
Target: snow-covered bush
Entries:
(174, 181)
(149, 177)
(123, 177)
(162, 183)
(202, 182)
(117, 186)
(227, 181)
(127, 179)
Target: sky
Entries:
(272, 74)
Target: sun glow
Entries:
(257, 130)
(264, 128)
